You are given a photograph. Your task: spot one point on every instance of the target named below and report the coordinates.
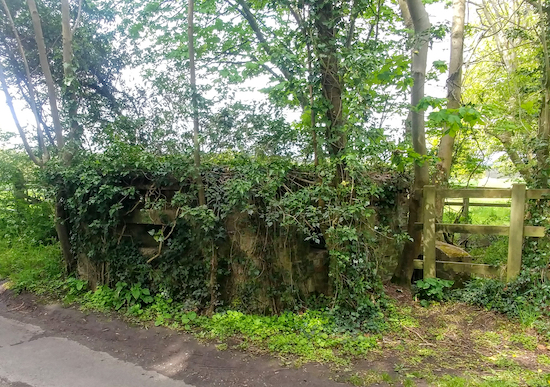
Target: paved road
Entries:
(30, 358)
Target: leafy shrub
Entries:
(432, 289)
(526, 298)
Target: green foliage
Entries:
(455, 119)
(26, 216)
(313, 336)
(36, 268)
(432, 289)
(527, 298)
(276, 196)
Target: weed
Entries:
(488, 338)
(409, 383)
(526, 341)
(356, 380)
(432, 289)
(544, 360)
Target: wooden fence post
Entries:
(466, 215)
(428, 234)
(466, 209)
(515, 236)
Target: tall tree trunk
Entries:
(412, 249)
(69, 95)
(194, 103)
(60, 214)
(542, 152)
(326, 18)
(45, 65)
(454, 89)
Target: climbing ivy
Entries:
(277, 197)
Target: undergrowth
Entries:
(297, 337)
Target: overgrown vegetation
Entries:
(277, 219)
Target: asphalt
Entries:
(31, 358)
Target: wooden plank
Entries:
(528, 231)
(537, 194)
(515, 237)
(460, 204)
(428, 233)
(472, 229)
(154, 217)
(464, 267)
(493, 193)
(534, 231)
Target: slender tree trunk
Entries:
(412, 249)
(194, 103)
(542, 152)
(60, 214)
(45, 65)
(454, 89)
(69, 95)
(313, 112)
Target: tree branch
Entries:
(32, 94)
(77, 20)
(22, 134)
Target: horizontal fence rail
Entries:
(475, 204)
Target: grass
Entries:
(445, 344)
(295, 338)
(36, 268)
(488, 249)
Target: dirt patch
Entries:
(179, 356)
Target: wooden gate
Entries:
(516, 231)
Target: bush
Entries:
(526, 298)
(432, 289)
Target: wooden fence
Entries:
(516, 231)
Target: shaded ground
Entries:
(443, 345)
(454, 345)
(178, 356)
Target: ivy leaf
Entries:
(440, 65)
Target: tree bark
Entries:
(326, 18)
(412, 248)
(454, 89)
(45, 65)
(542, 152)
(69, 95)
(194, 103)
(60, 214)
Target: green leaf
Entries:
(136, 292)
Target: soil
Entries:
(179, 356)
